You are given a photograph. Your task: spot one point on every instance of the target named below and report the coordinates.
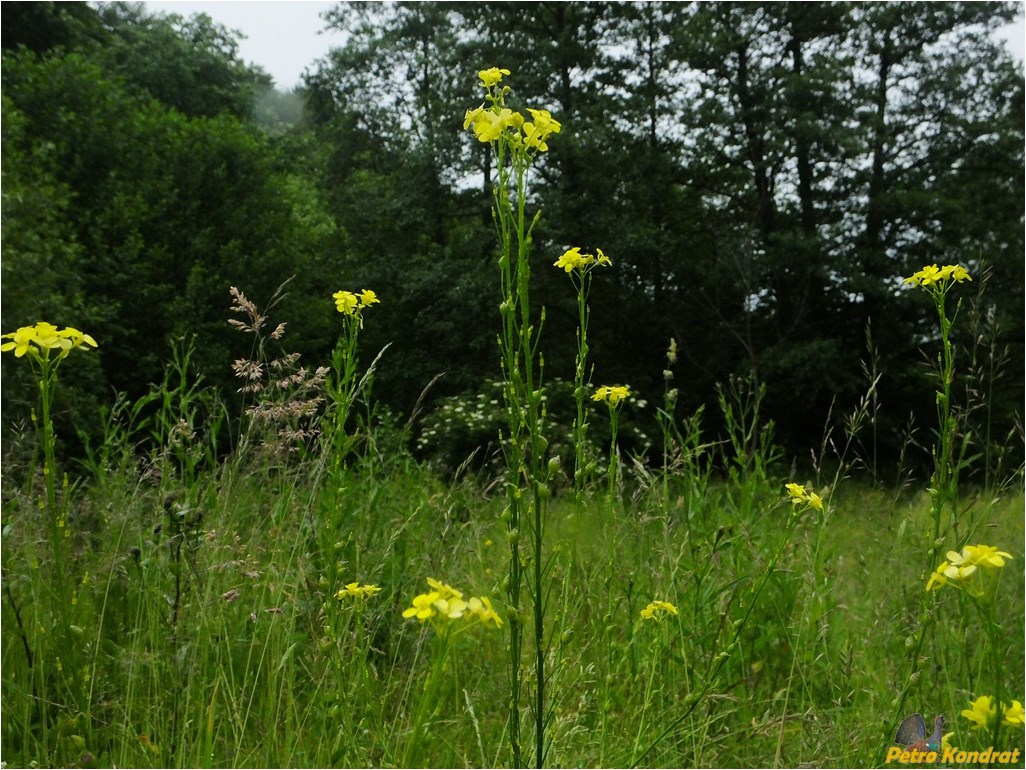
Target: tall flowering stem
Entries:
(46, 347)
(345, 385)
(516, 143)
(944, 483)
(937, 281)
(613, 396)
(579, 267)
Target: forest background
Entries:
(762, 175)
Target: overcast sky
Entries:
(286, 36)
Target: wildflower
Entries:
(796, 491)
(489, 124)
(472, 117)
(368, 297)
(983, 713)
(657, 610)
(482, 607)
(959, 568)
(931, 274)
(570, 260)
(573, 259)
(537, 132)
(345, 302)
(612, 395)
(357, 591)
(491, 77)
(799, 495)
(22, 338)
(77, 338)
(44, 337)
(451, 608)
(444, 590)
(422, 606)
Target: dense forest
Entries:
(761, 174)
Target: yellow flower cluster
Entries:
(444, 601)
(611, 394)
(960, 568)
(982, 712)
(799, 496)
(658, 610)
(573, 259)
(40, 339)
(357, 591)
(491, 123)
(348, 303)
(932, 274)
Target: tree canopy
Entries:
(762, 175)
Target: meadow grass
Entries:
(210, 633)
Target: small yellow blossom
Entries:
(444, 590)
(345, 302)
(444, 601)
(982, 712)
(959, 569)
(422, 606)
(801, 496)
(38, 340)
(612, 395)
(796, 492)
(482, 607)
(368, 297)
(931, 274)
(657, 610)
(357, 591)
(21, 340)
(492, 76)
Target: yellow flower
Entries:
(444, 590)
(543, 126)
(960, 568)
(984, 555)
(603, 259)
(357, 591)
(796, 491)
(368, 297)
(422, 606)
(44, 337)
(491, 77)
(932, 274)
(76, 337)
(450, 608)
(472, 117)
(489, 125)
(983, 713)
(482, 607)
(612, 395)
(571, 260)
(345, 302)
(815, 501)
(657, 610)
(22, 339)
